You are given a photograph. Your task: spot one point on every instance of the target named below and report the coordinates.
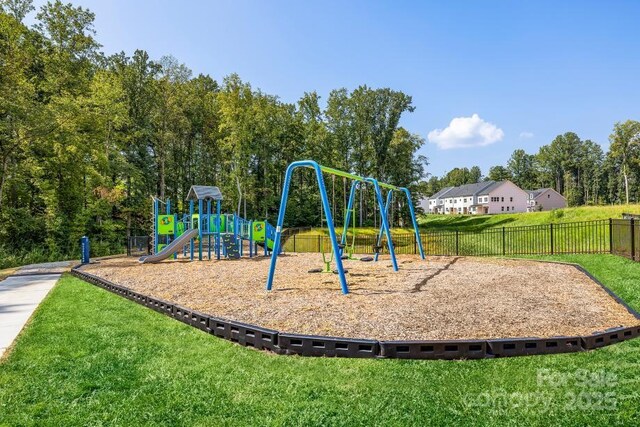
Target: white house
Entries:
(545, 199)
(435, 203)
(488, 197)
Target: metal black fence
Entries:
(625, 238)
(139, 245)
(618, 236)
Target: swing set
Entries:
(338, 246)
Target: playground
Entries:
(444, 298)
(240, 270)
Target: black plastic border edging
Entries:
(312, 345)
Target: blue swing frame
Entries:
(329, 217)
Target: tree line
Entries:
(578, 169)
(86, 139)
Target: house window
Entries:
(465, 200)
(507, 208)
(548, 196)
(502, 208)
(511, 199)
(503, 199)
(513, 209)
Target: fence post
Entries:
(320, 249)
(504, 245)
(551, 237)
(294, 243)
(633, 239)
(457, 243)
(415, 245)
(610, 235)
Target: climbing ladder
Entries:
(231, 246)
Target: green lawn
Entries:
(80, 363)
(481, 222)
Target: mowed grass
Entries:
(89, 357)
(482, 222)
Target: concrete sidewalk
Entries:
(19, 297)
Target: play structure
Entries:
(216, 234)
(338, 248)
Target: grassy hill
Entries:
(481, 222)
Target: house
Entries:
(435, 203)
(545, 199)
(488, 197)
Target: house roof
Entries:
(539, 191)
(204, 192)
(488, 189)
(468, 190)
(440, 193)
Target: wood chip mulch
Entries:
(440, 298)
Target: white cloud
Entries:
(526, 135)
(466, 132)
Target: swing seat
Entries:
(341, 246)
(336, 271)
(377, 248)
(315, 270)
(344, 257)
(366, 259)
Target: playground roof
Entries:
(204, 192)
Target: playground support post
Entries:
(385, 223)
(209, 229)
(327, 211)
(412, 211)
(191, 247)
(155, 225)
(168, 212)
(250, 239)
(386, 215)
(218, 230)
(200, 218)
(347, 217)
(414, 222)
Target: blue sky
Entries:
(528, 70)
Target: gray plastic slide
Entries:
(173, 247)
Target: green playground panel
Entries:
(259, 230)
(161, 247)
(180, 228)
(166, 225)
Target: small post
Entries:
(504, 243)
(457, 243)
(84, 246)
(551, 237)
(633, 239)
(610, 235)
(294, 243)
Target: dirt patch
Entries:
(440, 298)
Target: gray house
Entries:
(545, 199)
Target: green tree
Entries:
(522, 169)
(499, 173)
(625, 149)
